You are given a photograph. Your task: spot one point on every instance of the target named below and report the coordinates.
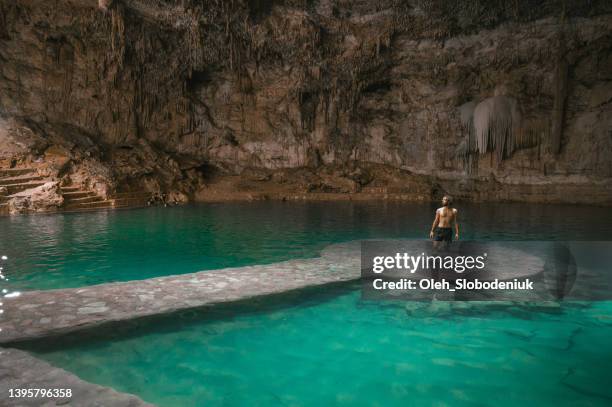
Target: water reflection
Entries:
(69, 250)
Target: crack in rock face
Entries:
(190, 101)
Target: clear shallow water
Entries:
(71, 250)
(328, 347)
(315, 347)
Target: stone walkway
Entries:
(19, 370)
(36, 314)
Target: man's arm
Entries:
(456, 226)
(435, 223)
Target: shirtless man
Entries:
(442, 227)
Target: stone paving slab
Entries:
(19, 370)
(36, 314)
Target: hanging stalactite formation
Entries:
(235, 84)
(496, 125)
(496, 120)
(118, 34)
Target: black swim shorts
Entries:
(443, 235)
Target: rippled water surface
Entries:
(71, 250)
(315, 347)
(328, 348)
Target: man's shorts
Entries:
(443, 235)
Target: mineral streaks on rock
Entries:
(161, 93)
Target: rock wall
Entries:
(164, 93)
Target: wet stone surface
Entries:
(19, 370)
(35, 314)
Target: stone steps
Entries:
(71, 195)
(15, 172)
(77, 199)
(131, 202)
(16, 180)
(5, 177)
(15, 188)
(89, 205)
(19, 180)
(70, 189)
(133, 194)
(85, 199)
(131, 199)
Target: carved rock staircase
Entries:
(77, 199)
(133, 199)
(14, 180)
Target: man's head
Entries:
(447, 200)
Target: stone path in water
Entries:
(35, 314)
(19, 370)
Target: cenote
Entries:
(275, 350)
(80, 249)
(185, 188)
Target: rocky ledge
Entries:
(19, 370)
(358, 182)
(485, 101)
(34, 314)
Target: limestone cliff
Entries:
(306, 96)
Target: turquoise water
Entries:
(71, 250)
(327, 347)
(315, 347)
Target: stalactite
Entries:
(49, 61)
(67, 59)
(196, 52)
(558, 114)
(467, 122)
(117, 39)
(496, 126)
(532, 132)
(231, 51)
(5, 9)
(496, 120)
